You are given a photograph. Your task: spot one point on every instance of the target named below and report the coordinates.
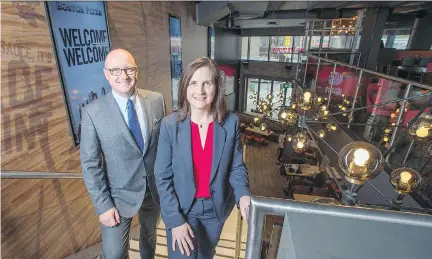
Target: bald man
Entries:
(119, 136)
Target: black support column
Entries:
(372, 31)
(421, 35)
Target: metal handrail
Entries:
(392, 78)
(261, 206)
(39, 175)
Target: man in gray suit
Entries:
(119, 136)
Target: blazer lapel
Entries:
(219, 135)
(185, 143)
(146, 106)
(119, 120)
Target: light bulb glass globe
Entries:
(300, 142)
(322, 133)
(360, 161)
(263, 127)
(283, 114)
(257, 120)
(305, 100)
(288, 138)
(405, 180)
(331, 127)
(422, 128)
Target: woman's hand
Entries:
(244, 206)
(183, 236)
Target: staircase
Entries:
(225, 248)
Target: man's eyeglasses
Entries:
(118, 71)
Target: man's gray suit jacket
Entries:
(115, 170)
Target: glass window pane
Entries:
(265, 88)
(400, 41)
(244, 49)
(281, 47)
(252, 87)
(259, 48)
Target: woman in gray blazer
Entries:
(200, 174)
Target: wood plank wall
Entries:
(55, 218)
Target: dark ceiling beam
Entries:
(302, 14)
(314, 5)
(208, 13)
(414, 8)
(347, 4)
(274, 5)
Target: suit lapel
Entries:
(185, 143)
(219, 135)
(119, 120)
(146, 106)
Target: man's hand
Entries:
(182, 235)
(110, 218)
(244, 206)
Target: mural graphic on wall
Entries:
(81, 40)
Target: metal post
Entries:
(409, 151)
(305, 40)
(326, 55)
(354, 100)
(304, 76)
(358, 29)
(316, 76)
(298, 65)
(401, 113)
(358, 60)
(310, 35)
(331, 84)
(238, 235)
(255, 232)
(321, 38)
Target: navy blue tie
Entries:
(134, 125)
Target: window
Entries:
(176, 56)
(341, 42)
(259, 47)
(277, 89)
(400, 41)
(252, 87)
(244, 48)
(265, 88)
(281, 48)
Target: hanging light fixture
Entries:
(422, 128)
(263, 126)
(404, 181)
(331, 127)
(305, 100)
(300, 142)
(256, 120)
(360, 161)
(288, 138)
(322, 133)
(287, 116)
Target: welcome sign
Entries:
(81, 39)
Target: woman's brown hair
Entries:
(218, 106)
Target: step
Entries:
(225, 248)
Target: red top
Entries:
(202, 160)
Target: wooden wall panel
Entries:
(144, 31)
(55, 218)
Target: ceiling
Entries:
(261, 14)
